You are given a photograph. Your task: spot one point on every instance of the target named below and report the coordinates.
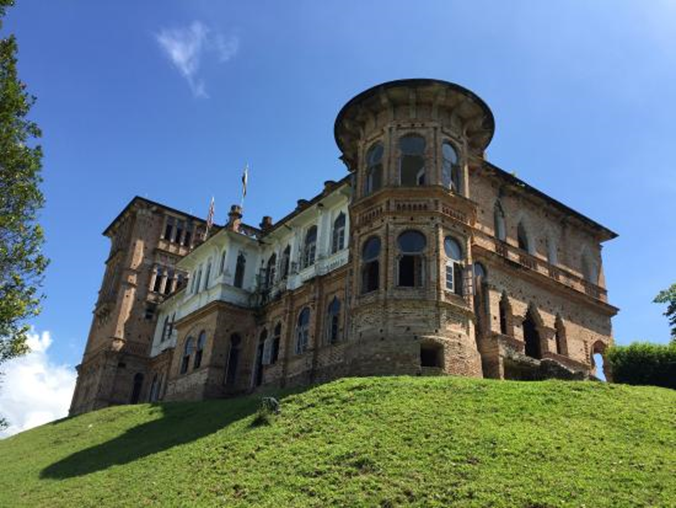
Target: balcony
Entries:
(535, 264)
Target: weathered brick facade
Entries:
(426, 259)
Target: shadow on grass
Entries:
(180, 423)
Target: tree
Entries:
(668, 296)
(22, 263)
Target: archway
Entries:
(599, 368)
(531, 336)
(136, 390)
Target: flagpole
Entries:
(245, 180)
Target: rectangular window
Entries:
(188, 235)
(180, 227)
(159, 273)
(169, 229)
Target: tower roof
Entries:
(474, 114)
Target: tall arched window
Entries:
(240, 269)
(412, 161)
(338, 237)
(286, 260)
(411, 259)
(454, 265)
(262, 356)
(505, 310)
(333, 321)
(187, 352)
(270, 271)
(310, 247)
(560, 336)
(522, 237)
(374, 168)
(154, 389)
(451, 172)
(222, 267)
(531, 334)
(370, 273)
(499, 222)
(233, 359)
(207, 274)
(303, 331)
(199, 351)
(276, 342)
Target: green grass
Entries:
(362, 442)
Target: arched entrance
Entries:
(136, 390)
(531, 336)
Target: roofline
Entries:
(136, 199)
(310, 203)
(609, 234)
(412, 82)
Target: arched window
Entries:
(262, 356)
(338, 238)
(198, 279)
(374, 168)
(239, 270)
(499, 222)
(187, 352)
(270, 271)
(276, 341)
(136, 388)
(310, 247)
(505, 311)
(522, 237)
(233, 360)
(207, 275)
(154, 390)
(454, 265)
(411, 260)
(333, 321)
(303, 331)
(451, 173)
(286, 260)
(199, 351)
(221, 270)
(370, 274)
(531, 334)
(412, 161)
(560, 336)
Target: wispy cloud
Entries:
(34, 390)
(187, 46)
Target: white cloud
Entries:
(34, 390)
(186, 47)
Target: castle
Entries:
(425, 259)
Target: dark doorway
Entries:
(430, 356)
(233, 360)
(531, 336)
(136, 390)
(258, 375)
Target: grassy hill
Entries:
(362, 442)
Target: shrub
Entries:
(643, 363)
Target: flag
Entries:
(210, 215)
(245, 180)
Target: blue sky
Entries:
(582, 93)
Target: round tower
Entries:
(408, 144)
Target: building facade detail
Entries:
(425, 259)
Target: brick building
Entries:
(425, 259)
